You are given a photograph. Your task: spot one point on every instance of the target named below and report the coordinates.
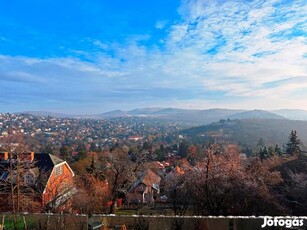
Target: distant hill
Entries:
(193, 116)
(175, 114)
(115, 113)
(144, 111)
(262, 114)
(168, 111)
(249, 131)
(293, 114)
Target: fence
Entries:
(121, 222)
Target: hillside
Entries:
(204, 117)
(293, 114)
(256, 114)
(249, 131)
(174, 114)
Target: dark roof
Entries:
(45, 161)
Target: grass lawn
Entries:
(9, 222)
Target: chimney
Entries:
(4, 156)
(31, 156)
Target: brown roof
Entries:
(178, 170)
(149, 178)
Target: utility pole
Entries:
(11, 172)
(18, 182)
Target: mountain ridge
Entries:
(256, 113)
(199, 116)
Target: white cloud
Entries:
(161, 24)
(245, 50)
(247, 53)
(100, 44)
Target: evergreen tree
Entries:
(82, 152)
(294, 144)
(263, 153)
(271, 151)
(92, 168)
(183, 149)
(248, 151)
(93, 147)
(278, 150)
(64, 152)
(147, 145)
(160, 155)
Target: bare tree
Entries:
(120, 172)
(19, 163)
(13, 182)
(178, 193)
(224, 185)
(92, 194)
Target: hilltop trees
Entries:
(293, 147)
(294, 144)
(267, 152)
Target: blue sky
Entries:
(91, 56)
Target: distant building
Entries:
(134, 138)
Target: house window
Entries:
(29, 179)
(58, 170)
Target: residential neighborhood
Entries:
(50, 133)
(143, 172)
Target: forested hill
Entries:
(249, 131)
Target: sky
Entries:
(93, 56)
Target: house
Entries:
(145, 189)
(56, 178)
(156, 167)
(44, 180)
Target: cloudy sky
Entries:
(92, 56)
